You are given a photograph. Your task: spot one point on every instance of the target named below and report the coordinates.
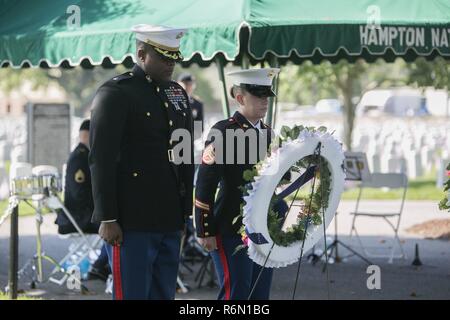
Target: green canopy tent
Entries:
(68, 33)
(87, 33)
(54, 33)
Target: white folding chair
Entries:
(382, 180)
(82, 245)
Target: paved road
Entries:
(347, 280)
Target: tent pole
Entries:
(245, 64)
(272, 111)
(225, 103)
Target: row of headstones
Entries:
(13, 138)
(13, 146)
(394, 146)
(414, 150)
(397, 145)
(4, 183)
(409, 138)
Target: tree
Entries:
(423, 73)
(436, 73)
(14, 78)
(343, 80)
(305, 84)
(79, 84)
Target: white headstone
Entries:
(442, 171)
(4, 183)
(414, 161)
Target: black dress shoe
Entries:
(99, 273)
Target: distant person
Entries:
(187, 81)
(78, 199)
(78, 190)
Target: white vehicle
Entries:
(328, 106)
(396, 102)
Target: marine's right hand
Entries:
(209, 243)
(111, 233)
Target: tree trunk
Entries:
(349, 115)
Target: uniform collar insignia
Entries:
(242, 121)
(138, 72)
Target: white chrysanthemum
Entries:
(270, 173)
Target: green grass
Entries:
(418, 189)
(423, 188)
(4, 296)
(7, 166)
(24, 209)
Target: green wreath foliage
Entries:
(312, 205)
(444, 203)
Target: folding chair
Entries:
(382, 180)
(45, 195)
(83, 244)
(192, 252)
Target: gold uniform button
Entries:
(184, 114)
(206, 224)
(148, 114)
(135, 174)
(170, 123)
(166, 104)
(206, 233)
(157, 89)
(131, 73)
(205, 215)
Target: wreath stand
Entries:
(334, 245)
(317, 152)
(334, 249)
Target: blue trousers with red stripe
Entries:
(237, 273)
(145, 266)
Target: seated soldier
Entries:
(78, 199)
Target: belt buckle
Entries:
(170, 155)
